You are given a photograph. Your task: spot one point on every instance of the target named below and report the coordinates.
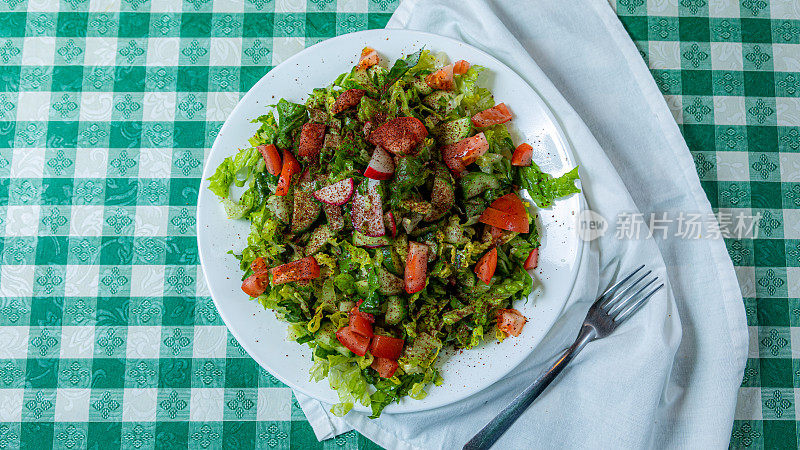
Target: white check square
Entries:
(143, 342)
(72, 405)
(77, 341)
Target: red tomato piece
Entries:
(464, 152)
(492, 116)
(504, 220)
(532, 261)
(386, 347)
(359, 324)
(302, 269)
(354, 342)
(441, 79)
(347, 99)
(369, 57)
(385, 367)
(271, 158)
(460, 67)
(399, 135)
(510, 321)
(256, 284)
(289, 169)
(510, 203)
(523, 155)
(312, 136)
(367, 316)
(486, 266)
(416, 270)
(258, 265)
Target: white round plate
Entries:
(464, 373)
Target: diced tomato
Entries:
(386, 347)
(504, 220)
(464, 152)
(510, 321)
(367, 316)
(360, 325)
(347, 99)
(290, 168)
(256, 284)
(399, 135)
(460, 67)
(355, 342)
(532, 261)
(492, 116)
(441, 79)
(258, 264)
(510, 203)
(523, 155)
(369, 57)
(385, 367)
(312, 136)
(271, 158)
(486, 266)
(302, 269)
(416, 270)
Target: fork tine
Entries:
(631, 310)
(605, 296)
(621, 297)
(630, 296)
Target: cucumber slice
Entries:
(395, 310)
(326, 335)
(362, 240)
(443, 197)
(474, 183)
(281, 206)
(417, 206)
(421, 86)
(232, 209)
(454, 131)
(306, 211)
(391, 260)
(319, 237)
(389, 284)
(474, 207)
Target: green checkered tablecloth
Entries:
(108, 336)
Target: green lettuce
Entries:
(234, 170)
(291, 116)
(544, 188)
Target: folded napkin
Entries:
(669, 376)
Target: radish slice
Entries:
(367, 212)
(337, 193)
(390, 223)
(381, 166)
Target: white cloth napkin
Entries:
(669, 377)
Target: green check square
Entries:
(696, 82)
(762, 138)
(11, 51)
(791, 195)
(84, 250)
(138, 435)
(141, 373)
(30, 134)
(126, 134)
(187, 162)
(250, 75)
(121, 191)
(41, 373)
(769, 253)
(378, 20)
(184, 191)
(54, 220)
(48, 281)
(779, 433)
(165, 25)
(98, 79)
(324, 25)
(152, 191)
(257, 25)
(52, 250)
(15, 311)
(770, 225)
(70, 50)
(788, 139)
(663, 28)
(116, 250)
(111, 313)
(289, 25)
(757, 56)
(62, 134)
(698, 110)
(9, 78)
(67, 78)
(348, 23)
(756, 30)
(765, 195)
(60, 163)
(176, 342)
(4, 182)
(28, 78)
(747, 434)
(207, 435)
(10, 434)
(75, 373)
(108, 373)
(178, 311)
(127, 106)
(133, 25)
(114, 281)
(33, 434)
(129, 79)
(46, 311)
(195, 25)
(234, 348)
(70, 434)
(110, 341)
(786, 31)
(792, 254)
(38, 406)
(148, 250)
(771, 283)
(192, 79)
(7, 131)
(72, 24)
(145, 311)
(776, 372)
(19, 250)
(180, 281)
(730, 138)
(764, 166)
(706, 165)
(694, 29)
(12, 373)
(44, 342)
(41, 24)
(259, 6)
(301, 431)
(787, 84)
(774, 342)
(24, 191)
(776, 404)
(240, 404)
(131, 52)
(197, 5)
(223, 79)
(241, 373)
(64, 106)
(175, 373)
(161, 78)
(194, 51)
(184, 136)
(224, 25)
(79, 311)
(57, 191)
(238, 434)
(156, 134)
(320, 6)
(277, 434)
(181, 250)
(759, 84)
(268, 380)
(206, 313)
(750, 8)
(182, 221)
(173, 412)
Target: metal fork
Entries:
(616, 305)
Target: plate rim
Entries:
(569, 157)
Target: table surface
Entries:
(108, 336)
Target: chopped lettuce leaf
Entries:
(544, 188)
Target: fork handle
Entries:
(497, 426)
